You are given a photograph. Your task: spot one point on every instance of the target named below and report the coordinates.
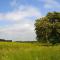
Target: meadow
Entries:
(28, 51)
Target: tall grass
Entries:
(28, 51)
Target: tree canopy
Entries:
(48, 28)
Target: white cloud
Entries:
(51, 3)
(19, 31)
(21, 13)
(23, 28)
(13, 3)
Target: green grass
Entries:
(28, 51)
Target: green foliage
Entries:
(28, 51)
(48, 28)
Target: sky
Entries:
(17, 17)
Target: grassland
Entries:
(28, 51)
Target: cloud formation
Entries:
(50, 3)
(22, 13)
(23, 28)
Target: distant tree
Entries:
(48, 28)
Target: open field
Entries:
(28, 51)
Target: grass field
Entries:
(28, 51)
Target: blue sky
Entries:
(17, 17)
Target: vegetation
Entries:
(28, 51)
(48, 28)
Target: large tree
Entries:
(48, 28)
